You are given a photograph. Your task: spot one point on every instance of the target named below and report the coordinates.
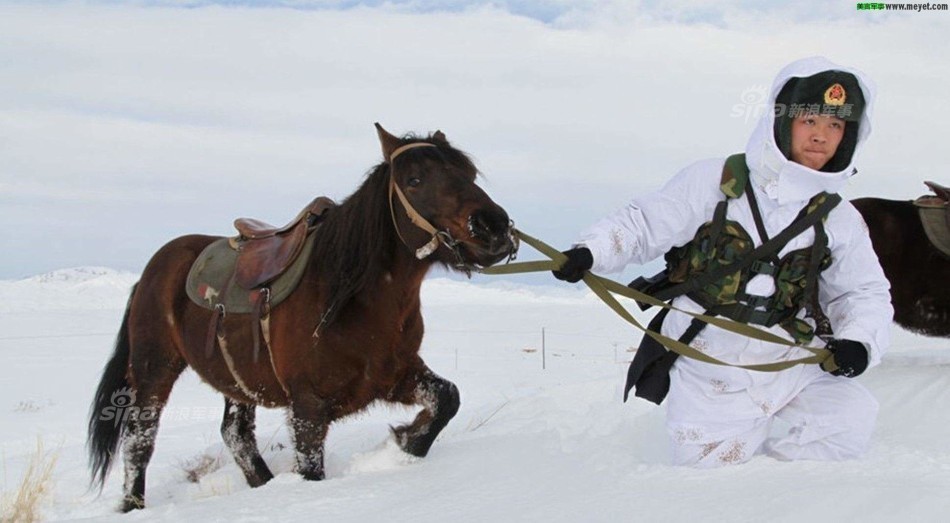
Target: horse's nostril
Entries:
(489, 224)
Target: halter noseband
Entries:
(437, 236)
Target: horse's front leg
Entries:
(237, 429)
(309, 422)
(439, 398)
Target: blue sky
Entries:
(123, 125)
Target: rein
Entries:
(417, 219)
(604, 288)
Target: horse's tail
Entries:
(106, 420)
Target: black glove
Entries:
(579, 260)
(851, 357)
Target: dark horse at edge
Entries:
(918, 271)
(348, 336)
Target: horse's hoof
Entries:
(131, 503)
(413, 444)
(313, 476)
(259, 479)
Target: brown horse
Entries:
(915, 268)
(348, 336)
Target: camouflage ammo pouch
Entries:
(726, 296)
(714, 268)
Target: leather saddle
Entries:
(253, 271)
(265, 251)
(232, 272)
(934, 210)
(940, 198)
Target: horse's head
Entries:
(438, 210)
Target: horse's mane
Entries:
(355, 243)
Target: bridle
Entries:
(438, 236)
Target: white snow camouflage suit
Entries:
(718, 415)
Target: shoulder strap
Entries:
(814, 266)
(757, 215)
(718, 221)
(759, 223)
(735, 176)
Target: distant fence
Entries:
(542, 346)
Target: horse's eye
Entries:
(414, 182)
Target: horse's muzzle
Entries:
(495, 234)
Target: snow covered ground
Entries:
(529, 443)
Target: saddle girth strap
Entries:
(215, 329)
(260, 326)
(260, 314)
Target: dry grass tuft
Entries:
(24, 505)
(200, 466)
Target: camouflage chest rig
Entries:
(714, 268)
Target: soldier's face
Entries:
(815, 139)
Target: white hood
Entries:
(781, 178)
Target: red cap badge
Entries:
(835, 95)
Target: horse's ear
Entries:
(389, 142)
(439, 135)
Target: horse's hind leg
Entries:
(237, 429)
(439, 398)
(151, 392)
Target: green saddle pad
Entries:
(211, 282)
